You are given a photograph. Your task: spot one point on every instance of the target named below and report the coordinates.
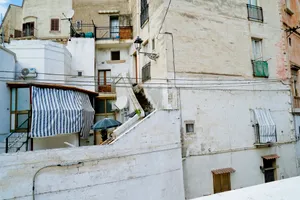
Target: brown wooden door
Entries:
(221, 182)
(104, 80)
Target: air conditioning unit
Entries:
(78, 25)
(29, 73)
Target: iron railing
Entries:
(144, 16)
(260, 68)
(100, 33)
(11, 142)
(255, 13)
(83, 30)
(259, 136)
(114, 32)
(146, 72)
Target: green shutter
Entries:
(260, 68)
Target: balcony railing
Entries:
(260, 68)
(255, 13)
(296, 102)
(114, 32)
(101, 33)
(146, 72)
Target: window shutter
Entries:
(54, 24)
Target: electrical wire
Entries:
(49, 166)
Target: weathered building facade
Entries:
(37, 20)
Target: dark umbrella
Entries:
(106, 124)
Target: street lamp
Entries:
(138, 46)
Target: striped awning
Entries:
(108, 11)
(266, 125)
(223, 171)
(56, 111)
(270, 157)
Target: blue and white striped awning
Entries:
(266, 125)
(57, 111)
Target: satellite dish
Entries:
(122, 102)
(25, 71)
(70, 14)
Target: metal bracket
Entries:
(152, 56)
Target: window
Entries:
(144, 16)
(28, 29)
(114, 27)
(253, 2)
(221, 179)
(290, 41)
(104, 109)
(20, 107)
(115, 55)
(295, 81)
(269, 167)
(79, 73)
(146, 72)
(104, 80)
(255, 13)
(189, 128)
(265, 127)
(54, 25)
(153, 44)
(257, 49)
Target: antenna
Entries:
(69, 15)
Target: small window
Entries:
(269, 168)
(115, 55)
(79, 73)
(257, 49)
(153, 44)
(290, 41)
(189, 128)
(253, 2)
(54, 24)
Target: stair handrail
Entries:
(7, 146)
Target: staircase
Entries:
(142, 99)
(16, 142)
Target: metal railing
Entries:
(11, 142)
(260, 68)
(113, 32)
(255, 13)
(146, 72)
(100, 33)
(83, 30)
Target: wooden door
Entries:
(221, 182)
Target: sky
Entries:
(4, 5)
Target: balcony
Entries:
(260, 68)
(297, 102)
(255, 13)
(109, 35)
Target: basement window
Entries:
(79, 73)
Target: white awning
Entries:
(266, 126)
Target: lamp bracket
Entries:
(152, 56)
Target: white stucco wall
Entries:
(50, 59)
(7, 69)
(284, 189)
(83, 60)
(141, 165)
(55, 142)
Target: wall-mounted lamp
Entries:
(138, 46)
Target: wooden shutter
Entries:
(54, 24)
(222, 182)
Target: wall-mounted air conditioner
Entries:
(29, 73)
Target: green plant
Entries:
(138, 112)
